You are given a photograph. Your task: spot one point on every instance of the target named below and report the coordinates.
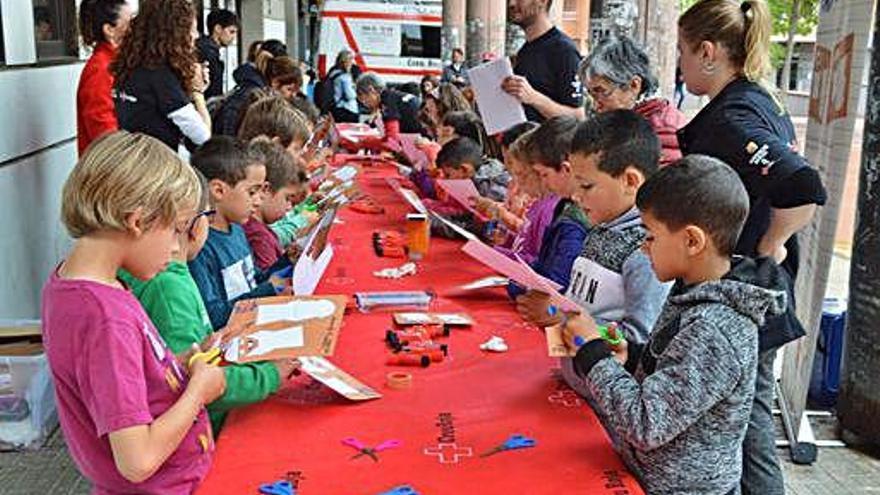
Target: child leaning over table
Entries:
(174, 305)
(546, 151)
(459, 159)
(679, 418)
(612, 155)
(285, 185)
(132, 413)
(224, 269)
(540, 205)
(275, 118)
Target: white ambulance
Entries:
(397, 39)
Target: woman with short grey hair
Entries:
(618, 75)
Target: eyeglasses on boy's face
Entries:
(192, 223)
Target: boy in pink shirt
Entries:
(132, 412)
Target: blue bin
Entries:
(828, 360)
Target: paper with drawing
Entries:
(327, 373)
(283, 327)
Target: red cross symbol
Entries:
(448, 453)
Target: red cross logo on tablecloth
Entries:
(448, 453)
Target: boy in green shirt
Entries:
(173, 302)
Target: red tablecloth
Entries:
(454, 411)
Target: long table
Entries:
(454, 411)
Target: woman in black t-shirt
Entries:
(159, 84)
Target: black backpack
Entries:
(324, 92)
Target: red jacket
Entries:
(666, 120)
(95, 111)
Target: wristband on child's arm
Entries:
(589, 354)
(605, 333)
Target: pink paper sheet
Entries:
(519, 272)
(461, 191)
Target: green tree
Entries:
(781, 11)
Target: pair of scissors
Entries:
(211, 356)
(282, 487)
(364, 450)
(512, 443)
(401, 490)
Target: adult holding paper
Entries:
(545, 79)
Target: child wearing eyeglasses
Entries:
(174, 305)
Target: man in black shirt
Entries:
(222, 31)
(546, 65)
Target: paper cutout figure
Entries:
(296, 310)
(263, 343)
(327, 373)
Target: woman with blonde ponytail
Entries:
(724, 48)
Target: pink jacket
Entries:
(666, 120)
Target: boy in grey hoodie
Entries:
(677, 407)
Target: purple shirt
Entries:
(527, 242)
(264, 243)
(113, 371)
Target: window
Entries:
(419, 41)
(55, 29)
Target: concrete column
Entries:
(654, 24)
(454, 30)
(291, 23)
(582, 25)
(486, 27)
(251, 17)
(859, 402)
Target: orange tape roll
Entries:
(398, 380)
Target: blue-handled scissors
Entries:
(283, 487)
(512, 443)
(401, 490)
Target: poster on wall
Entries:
(842, 41)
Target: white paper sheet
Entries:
(294, 311)
(345, 173)
(336, 379)
(307, 273)
(500, 111)
(413, 199)
(486, 283)
(460, 231)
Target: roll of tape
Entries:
(398, 380)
